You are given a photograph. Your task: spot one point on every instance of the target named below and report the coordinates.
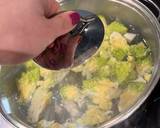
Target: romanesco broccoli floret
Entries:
(40, 100)
(70, 125)
(100, 61)
(144, 66)
(101, 90)
(70, 92)
(106, 87)
(117, 41)
(138, 50)
(48, 78)
(92, 116)
(103, 72)
(89, 84)
(116, 27)
(137, 86)
(130, 95)
(49, 124)
(90, 68)
(103, 103)
(28, 81)
(119, 53)
(122, 71)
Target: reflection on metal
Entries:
(5, 105)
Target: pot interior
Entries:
(55, 105)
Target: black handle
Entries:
(154, 6)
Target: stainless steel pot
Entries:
(129, 11)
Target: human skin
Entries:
(27, 28)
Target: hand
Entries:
(26, 29)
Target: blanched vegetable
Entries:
(92, 116)
(103, 72)
(102, 101)
(118, 41)
(39, 101)
(136, 86)
(116, 27)
(90, 68)
(89, 84)
(113, 78)
(28, 81)
(138, 50)
(123, 71)
(70, 125)
(119, 46)
(101, 92)
(104, 50)
(70, 92)
(144, 66)
(48, 124)
(106, 88)
(119, 53)
(130, 95)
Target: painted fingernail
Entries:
(75, 17)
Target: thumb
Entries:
(62, 23)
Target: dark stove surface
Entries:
(148, 115)
(153, 5)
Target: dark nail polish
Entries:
(75, 17)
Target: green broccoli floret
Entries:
(138, 50)
(28, 81)
(119, 53)
(116, 27)
(70, 92)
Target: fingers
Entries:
(62, 24)
(50, 7)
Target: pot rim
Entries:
(156, 75)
